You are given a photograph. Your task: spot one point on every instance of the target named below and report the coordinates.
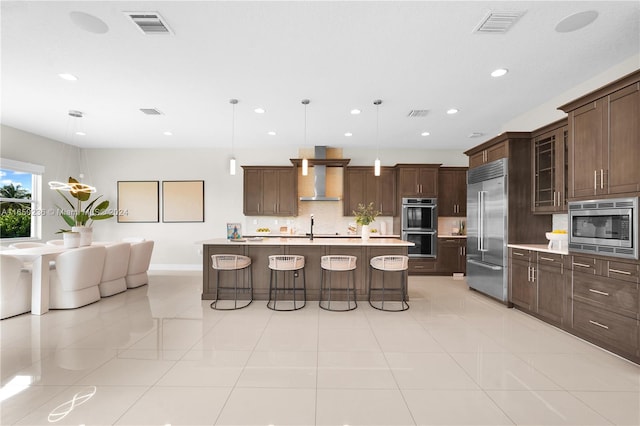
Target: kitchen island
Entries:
(259, 250)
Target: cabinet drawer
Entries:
(613, 295)
(608, 327)
(622, 271)
(520, 254)
(421, 266)
(550, 259)
(584, 264)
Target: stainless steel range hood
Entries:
(320, 164)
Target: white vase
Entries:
(71, 239)
(366, 232)
(86, 234)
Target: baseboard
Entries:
(175, 267)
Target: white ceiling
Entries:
(340, 55)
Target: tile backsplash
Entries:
(448, 225)
(328, 219)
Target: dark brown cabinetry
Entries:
(550, 281)
(362, 187)
(422, 266)
(537, 283)
(452, 191)
(418, 180)
(451, 257)
(606, 303)
(550, 168)
(604, 129)
(487, 153)
(522, 290)
(270, 191)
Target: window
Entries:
(20, 200)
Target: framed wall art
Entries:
(183, 201)
(138, 201)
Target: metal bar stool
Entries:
(392, 263)
(235, 263)
(286, 263)
(332, 264)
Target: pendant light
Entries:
(376, 164)
(232, 161)
(305, 162)
(72, 185)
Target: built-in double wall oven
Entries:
(420, 225)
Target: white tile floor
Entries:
(158, 355)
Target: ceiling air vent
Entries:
(149, 22)
(414, 113)
(150, 111)
(498, 22)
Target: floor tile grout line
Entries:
(395, 379)
(235, 384)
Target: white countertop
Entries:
(315, 242)
(277, 235)
(538, 247)
(451, 236)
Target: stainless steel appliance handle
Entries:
(481, 207)
(484, 265)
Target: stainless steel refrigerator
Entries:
(487, 227)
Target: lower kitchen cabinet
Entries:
(537, 283)
(452, 256)
(522, 290)
(422, 266)
(550, 282)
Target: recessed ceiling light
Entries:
(355, 111)
(452, 111)
(271, 133)
(576, 21)
(67, 76)
(348, 134)
(81, 134)
(475, 134)
(499, 72)
(425, 134)
(259, 110)
(168, 133)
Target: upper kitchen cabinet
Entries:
(418, 180)
(604, 130)
(550, 168)
(362, 187)
(487, 153)
(270, 191)
(452, 191)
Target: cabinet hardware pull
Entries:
(598, 324)
(533, 274)
(601, 178)
(529, 274)
(598, 292)
(517, 254)
(595, 180)
(581, 264)
(547, 258)
(618, 271)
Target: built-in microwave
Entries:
(607, 227)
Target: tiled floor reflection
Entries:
(158, 355)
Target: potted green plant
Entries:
(365, 215)
(79, 217)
